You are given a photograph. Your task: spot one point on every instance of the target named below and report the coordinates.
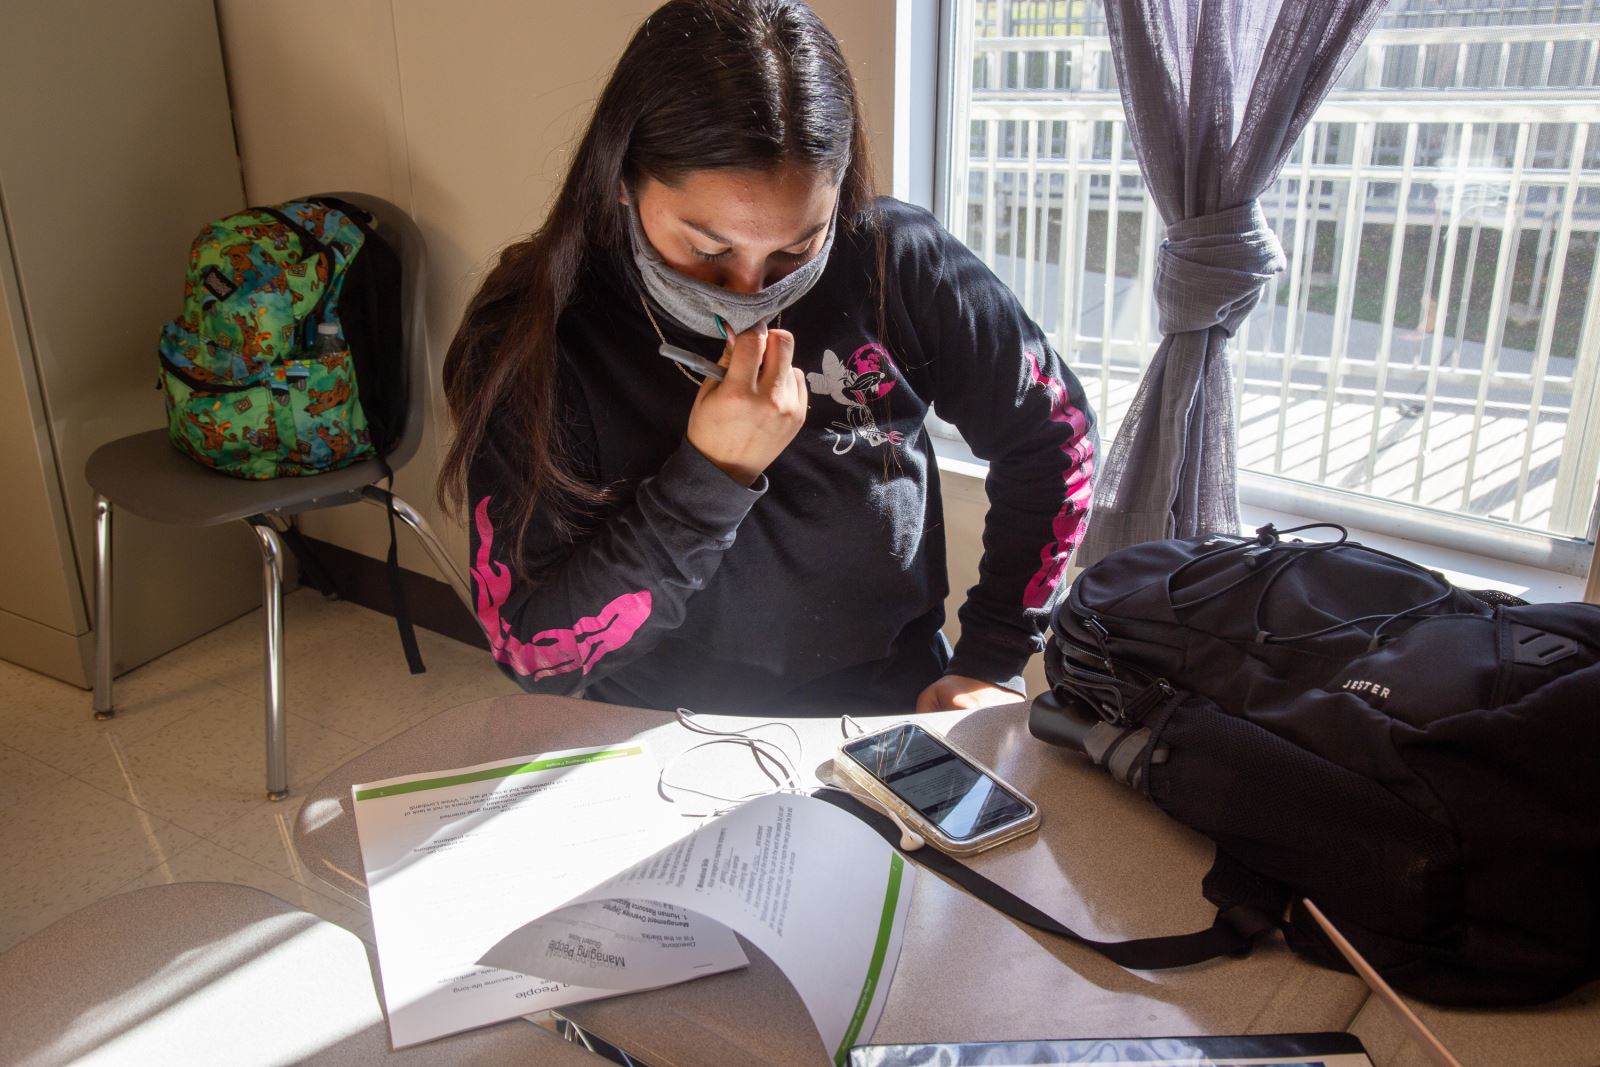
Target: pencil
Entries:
(1430, 1044)
(698, 364)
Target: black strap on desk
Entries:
(1232, 934)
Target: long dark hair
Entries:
(703, 84)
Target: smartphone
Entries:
(956, 803)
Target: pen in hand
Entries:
(698, 364)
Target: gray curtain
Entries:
(1216, 93)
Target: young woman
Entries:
(771, 542)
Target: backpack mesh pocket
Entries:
(1329, 833)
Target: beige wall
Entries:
(114, 146)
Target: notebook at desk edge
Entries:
(1331, 1049)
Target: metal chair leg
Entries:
(441, 559)
(102, 608)
(272, 613)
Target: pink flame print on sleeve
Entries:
(549, 652)
(1067, 527)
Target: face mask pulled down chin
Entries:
(696, 304)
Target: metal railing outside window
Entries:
(1433, 347)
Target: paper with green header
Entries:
(812, 887)
(457, 859)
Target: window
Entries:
(1432, 353)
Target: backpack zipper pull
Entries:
(1093, 624)
(1151, 697)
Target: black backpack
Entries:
(1422, 762)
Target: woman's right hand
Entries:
(742, 422)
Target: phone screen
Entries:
(952, 794)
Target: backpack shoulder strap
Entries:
(1233, 932)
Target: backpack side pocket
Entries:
(230, 428)
(324, 408)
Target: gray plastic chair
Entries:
(146, 476)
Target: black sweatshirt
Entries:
(820, 589)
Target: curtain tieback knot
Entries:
(1210, 269)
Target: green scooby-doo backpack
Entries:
(249, 390)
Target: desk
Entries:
(1105, 862)
(201, 972)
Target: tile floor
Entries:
(173, 789)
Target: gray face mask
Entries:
(696, 304)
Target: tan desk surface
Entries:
(216, 973)
(1105, 862)
(1563, 1033)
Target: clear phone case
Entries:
(865, 786)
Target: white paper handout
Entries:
(811, 886)
(522, 885)
(456, 860)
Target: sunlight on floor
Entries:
(172, 789)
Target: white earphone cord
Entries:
(759, 748)
(764, 751)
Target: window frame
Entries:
(1488, 538)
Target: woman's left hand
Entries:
(959, 691)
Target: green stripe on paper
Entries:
(495, 772)
(891, 898)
